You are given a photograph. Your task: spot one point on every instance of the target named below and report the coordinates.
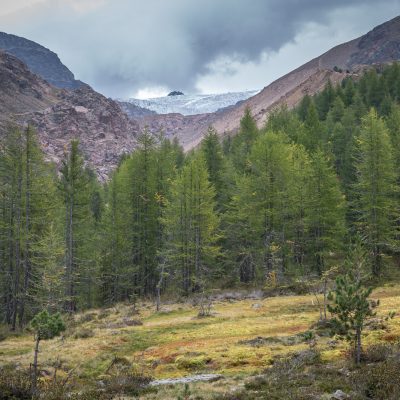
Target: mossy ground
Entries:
(176, 343)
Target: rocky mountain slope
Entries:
(134, 111)
(105, 132)
(39, 60)
(21, 92)
(381, 45)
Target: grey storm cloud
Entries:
(120, 45)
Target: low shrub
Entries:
(122, 378)
(15, 384)
(377, 353)
(379, 381)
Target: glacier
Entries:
(192, 104)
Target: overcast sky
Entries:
(143, 48)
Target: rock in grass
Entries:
(186, 379)
(339, 395)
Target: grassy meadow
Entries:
(241, 339)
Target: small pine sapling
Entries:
(351, 308)
(45, 326)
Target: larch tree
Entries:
(376, 188)
(191, 224)
(73, 187)
(325, 212)
(269, 165)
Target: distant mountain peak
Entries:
(192, 104)
(176, 93)
(40, 60)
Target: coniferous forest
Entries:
(284, 203)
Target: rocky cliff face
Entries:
(39, 60)
(104, 131)
(21, 92)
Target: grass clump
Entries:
(88, 317)
(192, 363)
(83, 333)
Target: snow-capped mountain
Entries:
(192, 104)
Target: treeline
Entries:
(278, 203)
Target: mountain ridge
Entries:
(107, 129)
(40, 61)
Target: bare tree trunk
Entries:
(17, 239)
(27, 264)
(10, 275)
(35, 365)
(325, 297)
(358, 345)
(70, 308)
(158, 288)
(71, 259)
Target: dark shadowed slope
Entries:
(39, 60)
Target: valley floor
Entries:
(240, 339)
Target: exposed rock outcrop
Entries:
(105, 132)
(21, 92)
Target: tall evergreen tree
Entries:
(243, 141)
(73, 188)
(376, 188)
(325, 212)
(191, 225)
(216, 166)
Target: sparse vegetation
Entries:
(238, 341)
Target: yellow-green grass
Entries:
(177, 343)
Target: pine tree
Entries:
(117, 269)
(191, 225)
(351, 308)
(73, 188)
(28, 202)
(299, 176)
(241, 234)
(269, 161)
(288, 122)
(216, 166)
(325, 212)
(144, 214)
(313, 135)
(45, 326)
(376, 188)
(243, 141)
